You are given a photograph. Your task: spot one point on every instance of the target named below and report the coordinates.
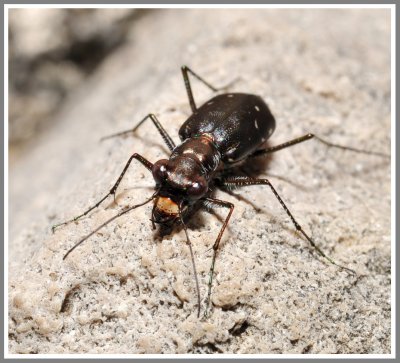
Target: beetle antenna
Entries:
(192, 256)
(121, 213)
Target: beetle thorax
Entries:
(182, 171)
(202, 149)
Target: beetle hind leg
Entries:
(185, 73)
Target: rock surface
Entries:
(126, 291)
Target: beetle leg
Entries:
(221, 203)
(309, 136)
(164, 134)
(233, 182)
(185, 72)
(112, 191)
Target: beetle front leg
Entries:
(112, 191)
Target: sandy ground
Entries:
(127, 291)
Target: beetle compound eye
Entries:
(159, 170)
(198, 188)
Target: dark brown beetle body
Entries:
(222, 132)
(237, 123)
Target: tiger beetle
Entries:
(227, 131)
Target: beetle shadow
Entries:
(258, 167)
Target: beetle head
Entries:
(180, 184)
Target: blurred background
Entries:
(51, 52)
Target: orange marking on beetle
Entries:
(167, 205)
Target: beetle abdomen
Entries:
(238, 123)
